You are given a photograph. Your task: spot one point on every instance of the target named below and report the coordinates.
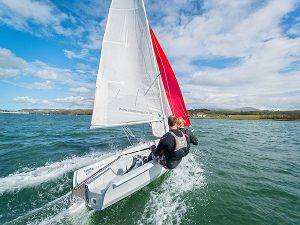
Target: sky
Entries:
(226, 54)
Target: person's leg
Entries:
(173, 164)
(149, 158)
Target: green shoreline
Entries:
(194, 114)
(243, 117)
(253, 115)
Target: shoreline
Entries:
(291, 115)
(215, 118)
(193, 114)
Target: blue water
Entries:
(242, 172)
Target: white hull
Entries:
(114, 178)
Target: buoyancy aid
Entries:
(181, 145)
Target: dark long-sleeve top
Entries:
(166, 146)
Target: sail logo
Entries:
(88, 171)
(134, 111)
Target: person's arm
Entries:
(158, 149)
(193, 138)
(161, 145)
(165, 145)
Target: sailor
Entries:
(190, 137)
(172, 147)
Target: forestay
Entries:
(127, 90)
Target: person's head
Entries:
(180, 122)
(172, 121)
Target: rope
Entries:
(127, 135)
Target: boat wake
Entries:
(29, 177)
(36, 215)
(168, 205)
(55, 212)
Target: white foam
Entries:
(32, 177)
(55, 212)
(167, 205)
(31, 214)
(63, 217)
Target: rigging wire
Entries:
(128, 133)
(152, 84)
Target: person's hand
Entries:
(152, 148)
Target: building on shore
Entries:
(201, 115)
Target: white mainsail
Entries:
(160, 128)
(127, 88)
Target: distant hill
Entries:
(58, 111)
(248, 109)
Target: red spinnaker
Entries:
(170, 82)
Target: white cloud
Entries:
(83, 67)
(44, 15)
(83, 25)
(189, 30)
(25, 99)
(47, 74)
(73, 102)
(70, 99)
(247, 30)
(30, 101)
(63, 103)
(295, 30)
(92, 16)
(73, 55)
(80, 90)
(12, 65)
(87, 8)
(39, 12)
(95, 32)
(41, 85)
(229, 29)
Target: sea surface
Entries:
(242, 172)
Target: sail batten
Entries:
(125, 124)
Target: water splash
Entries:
(167, 205)
(55, 212)
(29, 177)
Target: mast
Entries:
(157, 71)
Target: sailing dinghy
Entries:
(135, 85)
